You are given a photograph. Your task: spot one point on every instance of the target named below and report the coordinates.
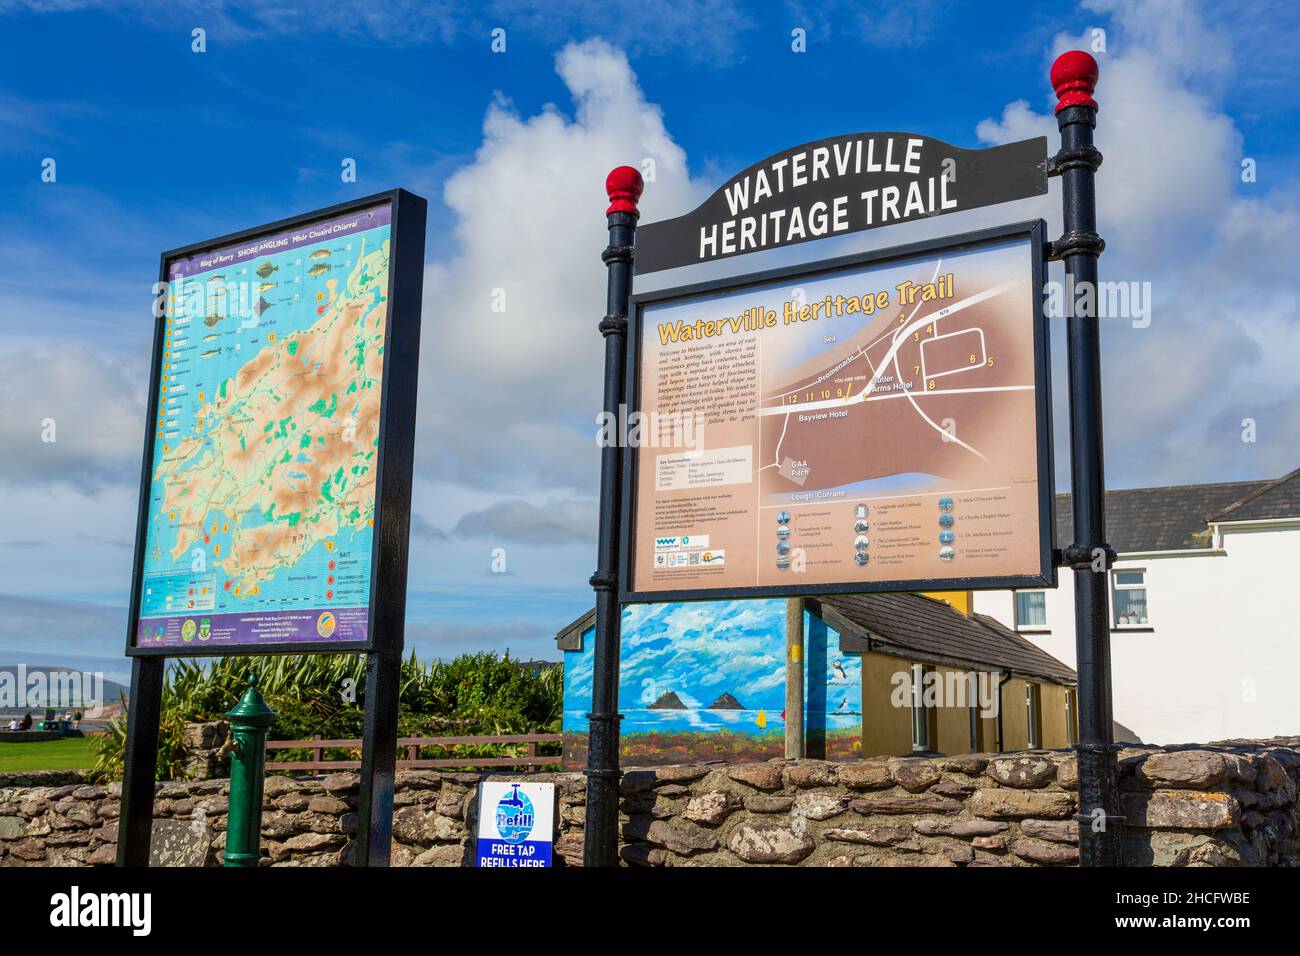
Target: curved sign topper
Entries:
(841, 185)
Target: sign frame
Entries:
(393, 463)
(1034, 231)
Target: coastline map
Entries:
(262, 492)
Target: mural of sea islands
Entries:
(706, 681)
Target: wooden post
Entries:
(794, 664)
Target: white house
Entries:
(1205, 635)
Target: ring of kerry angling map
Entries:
(261, 499)
(872, 425)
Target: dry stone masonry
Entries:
(1229, 804)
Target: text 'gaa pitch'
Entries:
(262, 493)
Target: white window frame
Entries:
(921, 742)
(1015, 610)
(1033, 714)
(1116, 587)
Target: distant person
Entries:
(27, 721)
(13, 724)
(76, 720)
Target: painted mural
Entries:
(706, 681)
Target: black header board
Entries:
(838, 186)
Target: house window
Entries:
(1071, 717)
(1032, 717)
(920, 714)
(1130, 598)
(1031, 609)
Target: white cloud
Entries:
(508, 400)
(91, 403)
(1172, 214)
(514, 520)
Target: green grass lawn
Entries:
(68, 753)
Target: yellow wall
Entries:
(887, 730)
(1055, 733)
(953, 722)
(963, 601)
(1015, 723)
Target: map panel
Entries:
(872, 425)
(261, 508)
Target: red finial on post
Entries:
(624, 186)
(1074, 77)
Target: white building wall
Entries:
(1221, 657)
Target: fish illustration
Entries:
(265, 269)
(319, 269)
(320, 254)
(262, 306)
(210, 352)
(212, 337)
(267, 286)
(212, 319)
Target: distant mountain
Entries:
(726, 702)
(65, 686)
(668, 701)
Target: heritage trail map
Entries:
(871, 425)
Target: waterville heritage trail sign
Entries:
(877, 422)
(275, 494)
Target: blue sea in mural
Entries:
(688, 657)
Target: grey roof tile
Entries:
(1277, 499)
(932, 631)
(1159, 519)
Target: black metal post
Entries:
(144, 710)
(374, 837)
(600, 846)
(1074, 77)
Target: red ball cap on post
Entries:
(624, 186)
(1074, 77)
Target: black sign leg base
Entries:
(144, 710)
(373, 844)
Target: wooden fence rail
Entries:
(317, 745)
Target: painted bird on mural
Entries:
(838, 675)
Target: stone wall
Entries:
(1220, 805)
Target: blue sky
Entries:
(157, 146)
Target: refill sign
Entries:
(516, 824)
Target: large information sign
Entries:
(879, 422)
(262, 488)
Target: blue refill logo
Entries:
(514, 816)
(516, 824)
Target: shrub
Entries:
(472, 695)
